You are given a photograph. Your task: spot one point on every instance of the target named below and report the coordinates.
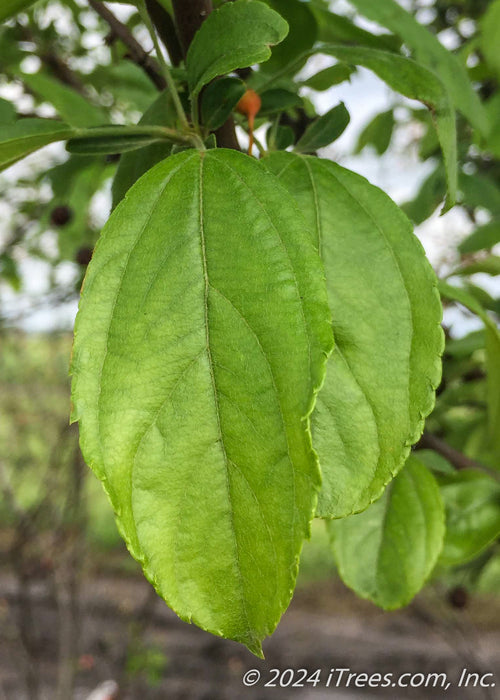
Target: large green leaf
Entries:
(387, 553)
(75, 109)
(28, 135)
(200, 343)
(133, 165)
(429, 52)
(237, 35)
(472, 502)
(411, 80)
(386, 319)
(10, 8)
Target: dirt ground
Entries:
(325, 628)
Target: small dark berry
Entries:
(83, 256)
(61, 215)
(458, 597)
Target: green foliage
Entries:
(235, 36)
(324, 130)
(386, 553)
(205, 324)
(328, 77)
(377, 133)
(371, 406)
(472, 502)
(228, 387)
(28, 135)
(429, 52)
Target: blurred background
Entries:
(77, 617)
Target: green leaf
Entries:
(10, 8)
(218, 101)
(328, 77)
(116, 139)
(337, 28)
(324, 130)
(428, 198)
(377, 133)
(200, 343)
(237, 35)
(411, 80)
(28, 135)
(386, 320)
(75, 109)
(302, 34)
(472, 502)
(489, 265)
(489, 38)
(484, 237)
(388, 552)
(7, 112)
(430, 53)
(280, 137)
(278, 100)
(492, 334)
(135, 163)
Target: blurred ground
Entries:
(75, 610)
(326, 627)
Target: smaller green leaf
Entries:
(472, 502)
(279, 137)
(75, 109)
(484, 237)
(387, 552)
(489, 266)
(377, 133)
(492, 335)
(10, 8)
(115, 139)
(219, 99)
(434, 461)
(237, 35)
(7, 112)
(328, 77)
(489, 38)
(28, 135)
(324, 130)
(278, 100)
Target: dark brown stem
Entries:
(189, 16)
(455, 458)
(137, 53)
(166, 29)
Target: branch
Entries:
(454, 457)
(137, 54)
(166, 29)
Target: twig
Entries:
(137, 53)
(455, 458)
